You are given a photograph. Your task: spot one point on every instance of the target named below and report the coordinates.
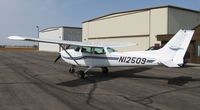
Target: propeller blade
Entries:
(57, 58)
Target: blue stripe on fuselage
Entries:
(91, 57)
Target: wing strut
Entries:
(68, 53)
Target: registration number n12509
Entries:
(136, 60)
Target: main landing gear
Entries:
(82, 74)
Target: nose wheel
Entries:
(104, 70)
(71, 70)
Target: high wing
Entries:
(76, 43)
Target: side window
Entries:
(86, 50)
(99, 50)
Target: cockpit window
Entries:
(93, 50)
(110, 50)
(99, 50)
(86, 50)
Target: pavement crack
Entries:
(43, 86)
(91, 93)
(146, 101)
(166, 92)
(10, 83)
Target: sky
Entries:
(20, 17)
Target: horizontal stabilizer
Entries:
(170, 64)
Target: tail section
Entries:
(172, 54)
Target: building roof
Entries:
(198, 26)
(56, 28)
(144, 9)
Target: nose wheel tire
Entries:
(71, 70)
(105, 70)
(81, 74)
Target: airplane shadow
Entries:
(95, 77)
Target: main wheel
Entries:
(71, 70)
(105, 70)
(81, 74)
(182, 65)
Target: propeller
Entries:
(57, 58)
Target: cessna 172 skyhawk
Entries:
(96, 55)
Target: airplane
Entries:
(94, 55)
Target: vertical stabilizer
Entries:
(174, 51)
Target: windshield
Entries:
(77, 49)
(93, 50)
(110, 50)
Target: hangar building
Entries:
(140, 26)
(59, 33)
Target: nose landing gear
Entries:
(104, 70)
(71, 70)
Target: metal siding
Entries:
(48, 47)
(53, 35)
(126, 25)
(158, 24)
(72, 34)
(181, 19)
(142, 42)
(150, 23)
(85, 32)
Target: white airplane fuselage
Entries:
(109, 59)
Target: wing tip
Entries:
(16, 38)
